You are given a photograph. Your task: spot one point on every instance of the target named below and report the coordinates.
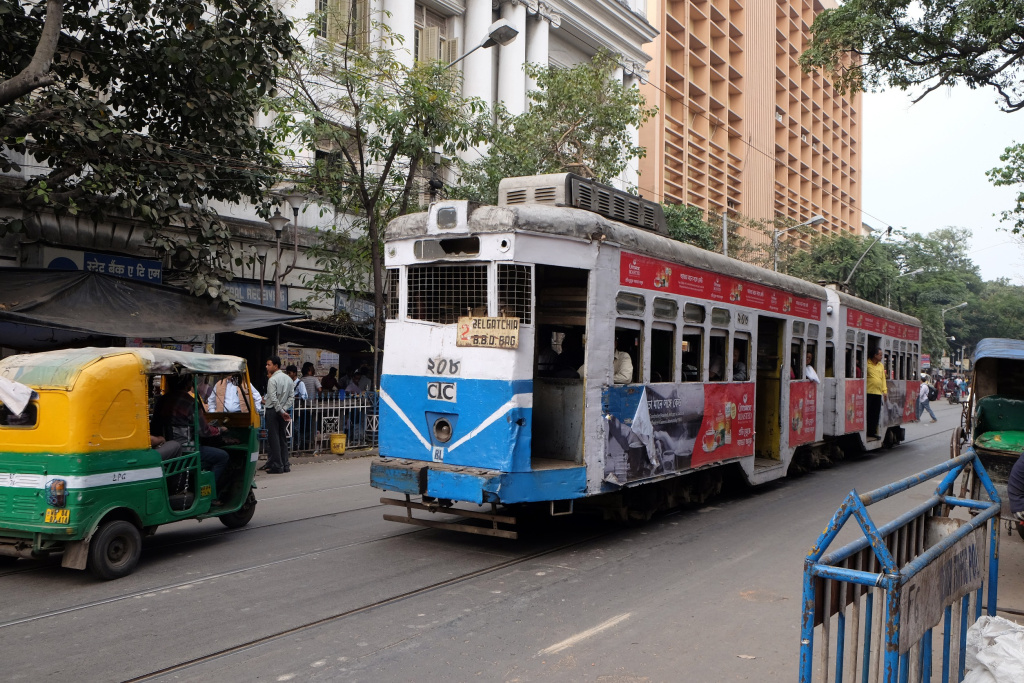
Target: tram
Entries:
(560, 346)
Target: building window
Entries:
(343, 22)
(431, 40)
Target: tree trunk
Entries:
(378, 294)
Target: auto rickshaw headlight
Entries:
(57, 493)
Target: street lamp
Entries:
(277, 222)
(887, 291)
(817, 220)
(501, 32)
(947, 310)
(846, 282)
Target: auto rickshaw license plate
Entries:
(57, 516)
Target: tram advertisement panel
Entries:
(894, 403)
(803, 409)
(854, 390)
(910, 401)
(657, 275)
(673, 427)
(727, 430)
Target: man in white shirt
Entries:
(622, 364)
(226, 397)
(809, 372)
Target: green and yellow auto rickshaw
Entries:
(99, 447)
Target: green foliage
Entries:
(687, 224)
(999, 311)
(1009, 175)
(579, 120)
(375, 121)
(929, 45)
(146, 113)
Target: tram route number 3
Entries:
(443, 366)
(488, 333)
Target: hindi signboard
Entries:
(488, 333)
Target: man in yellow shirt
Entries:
(876, 389)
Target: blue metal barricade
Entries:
(882, 595)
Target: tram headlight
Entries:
(442, 430)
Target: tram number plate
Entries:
(57, 516)
(488, 333)
(438, 454)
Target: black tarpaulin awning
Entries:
(97, 304)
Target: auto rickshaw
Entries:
(80, 473)
(992, 423)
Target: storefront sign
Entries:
(671, 278)
(249, 293)
(488, 333)
(143, 270)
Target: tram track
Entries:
(277, 635)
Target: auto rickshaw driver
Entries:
(172, 419)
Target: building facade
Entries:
(740, 127)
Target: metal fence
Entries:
(315, 420)
(879, 598)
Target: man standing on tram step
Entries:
(278, 401)
(876, 389)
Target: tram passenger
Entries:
(715, 369)
(739, 368)
(570, 361)
(622, 364)
(876, 389)
(809, 372)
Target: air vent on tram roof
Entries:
(569, 189)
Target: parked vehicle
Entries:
(561, 346)
(78, 473)
(992, 424)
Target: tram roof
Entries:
(585, 225)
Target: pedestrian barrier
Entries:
(897, 582)
(315, 420)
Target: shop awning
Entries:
(77, 305)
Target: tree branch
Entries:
(36, 75)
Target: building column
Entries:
(478, 68)
(537, 30)
(402, 22)
(511, 79)
(631, 174)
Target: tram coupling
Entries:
(439, 505)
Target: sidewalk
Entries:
(327, 456)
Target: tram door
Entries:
(558, 397)
(768, 390)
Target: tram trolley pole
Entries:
(879, 597)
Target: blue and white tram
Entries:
(539, 352)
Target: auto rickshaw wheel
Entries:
(241, 516)
(114, 550)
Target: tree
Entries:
(832, 258)
(579, 120)
(864, 44)
(367, 121)
(691, 225)
(140, 109)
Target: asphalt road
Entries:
(319, 587)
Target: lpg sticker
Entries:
(441, 391)
(438, 454)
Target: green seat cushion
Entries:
(1010, 441)
(999, 414)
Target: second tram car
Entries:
(561, 346)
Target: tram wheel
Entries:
(241, 516)
(114, 550)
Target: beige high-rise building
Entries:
(740, 126)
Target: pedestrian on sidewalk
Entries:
(278, 401)
(924, 401)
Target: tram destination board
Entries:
(488, 333)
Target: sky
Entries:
(924, 168)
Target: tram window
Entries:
(442, 293)
(850, 336)
(692, 313)
(628, 303)
(663, 346)
(665, 308)
(691, 354)
(796, 359)
(811, 351)
(515, 296)
(901, 364)
(391, 293)
(798, 328)
(861, 337)
(720, 316)
(718, 352)
(830, 359)
(812, 331)
(629, 341)
(849, 362)
(829, 333)
(887, 365)
(858, 369)
(741, 358)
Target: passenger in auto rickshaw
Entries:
(172, 419)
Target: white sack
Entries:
(995, 651)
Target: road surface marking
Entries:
(569, 642)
